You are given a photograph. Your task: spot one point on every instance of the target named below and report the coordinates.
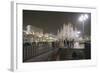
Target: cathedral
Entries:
(67, 32)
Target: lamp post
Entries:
(82, 19)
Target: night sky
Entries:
(50, 22)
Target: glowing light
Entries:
(78, 32)
(83, 17)
(86, 16)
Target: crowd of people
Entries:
(69, 43)
(64, 43)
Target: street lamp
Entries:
(82, 19)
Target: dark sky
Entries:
(50, 22)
